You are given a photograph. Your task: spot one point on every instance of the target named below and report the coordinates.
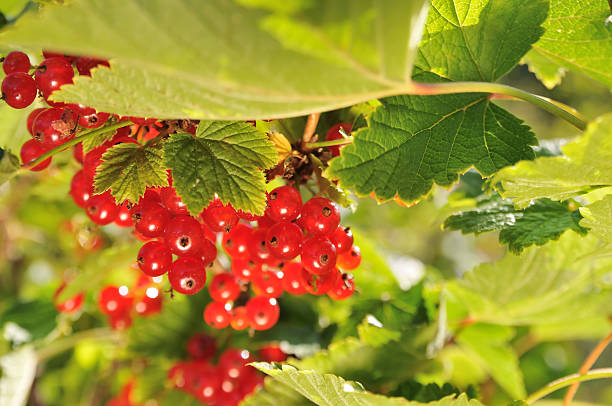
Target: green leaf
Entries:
(488, 344)
(9, 164)
(179, 398)
(349, 51)
(479, 40)
(540, 222)
(326, 187)
(598, 218)
(224, 158)
(587, 164)
(372, 333)
(37, 317)
(91, 142)
(17, 373)
(414, 141)
(129, 169)
(577, 38)
(13, 126)
(413, 390)
(547, 71)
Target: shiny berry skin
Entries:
(319, 284)
(246, 216)
(240, 321)
(208, 388)
(184, 236)
(154, 258)
(284, 204)
(223, 287)
(342, 238)
(84, 64)
(320, 216)
(101, 209)
(120, 321)
(350, 259)
(32, 117)
(232, 363)
(263, 312)
(16, 62)
(81, 188)
(18, 90)
(216, 315)
(70, 305)
(284, 240)
(47, 125)
(150, 218)
(187, 275)
(208, 252)
(272, 353)
(236, 240)
(172, 201)
(32, 149)
(201, 347)
(258, 250)
(244, 269)
(268, 283)
(150, 303)
(318, 255)
(52, 74)
(219, 217)
(265, 222)
(124, 217)
(115, 300)
(292, 278)
(343, 289)
(89, 118)
(335, 134)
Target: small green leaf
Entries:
(547, 71)
(9, 164)
(224, 158)
(372, 333)
(540, 222)
(129, 169)
(598, 218)
(91, 142)
(327, 187)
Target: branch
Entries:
(63, 344)
(567, 381)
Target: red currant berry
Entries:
(32, 117)
(77, 152)
(184, 236)
(84, 65)
(350, 259)
(81, 188)
(265, 222)
(320, 216)
(16, 62)
(335, 133)
(240, 321)
(217, 315)
(208, 388)
(246, 216)
(18, 90)
(236, 240)
(120, 321)
(343, 289)
(69, 306)
(187, 275)
(224, 288)
(220, 217)
(292, 278)
(102, 209)
(201, 347)
(124, 217)
(208, 252)
(150, 218)
(154, 258)
(89, 118)
(263, 312)
(52, 74)
(150, 303)
(319, 284)
(32, 149)
(172, 201)
(233, 363)
(342, 238)
(53, 126)
(284, 240)
(268, 283)
(115, 300)
(284, 204)
(244, 269)
(272, 353)
(318, 255)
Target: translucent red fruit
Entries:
(272, 353)
(187, 275)
(101, 209)
(343, 288)
(172, 201)
(239, 321)
(320, 216)
(220, 217)
(224, 287)
(201, 347)
(16, 62)
(342, 239)
(18, 90)
(32, 117)
(124, 217)
(208, 252)
(335, 133)
(292, 278)
(318, 255)
(84, 64)
(184, 236)
(53, 126)
(284, 240)
(89, 118)
(268, 283)
(150, 218)
(244, 269)
(154, 258)
(70, 305)
(235, 241)
(319, 284)
(233, 363)
(263, 312)
(350, 260)
(217, 315)
(115, 300)
(284, 204)
(52, 74)
(150, 303)
(81, 188)
(31, 150)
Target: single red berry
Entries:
(150, 218)
(217, 315)
(187, 275)
(208, 252)
(184, 236)
(292, 278)
(70, 305)
(154, 258)
(268, 283)
(84, 64)
(81, 188)
(263, 312)
(272, 353)
(224, 288)
(115, 300)
(89, 118)
(16, 62)
(284, 240)
(351, 259)
(318, 255)
(201, 347)
(124, 217)
(18, 90)
(220, 217)
(102, 209)
(208, 388)
(53, 126)
(32, 149)
(320, 216)
(172, 201)
(319, 284)
(236, 240)
(342, 238)
(77, 152)
(233, 363)
(284, 204)
(335, 133)
(52, 74)
(49, 54)
(120, 321)
(240, 321)
(244, 269)
(32, 117)
(93, 159)
(343, 289)
(150, 303)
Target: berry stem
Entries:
(63, 344)
(341, 141)
(584, 368)
(567, 381)
(82, 136)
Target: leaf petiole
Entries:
(561, 383)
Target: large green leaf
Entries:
(37, 317)
(587, 164)
(542, 221)
(224, 158)
(577, 38)
(17, 373)
(230, 59)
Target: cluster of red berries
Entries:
(227, 382)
